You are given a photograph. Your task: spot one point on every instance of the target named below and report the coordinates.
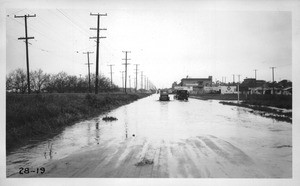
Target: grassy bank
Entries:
(259, 103)
(217, 96)
(32, 117)
(265, 111)
(279, 101)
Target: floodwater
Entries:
(192, 138)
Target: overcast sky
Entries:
(168, 42)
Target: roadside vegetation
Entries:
(39, 116)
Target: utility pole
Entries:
(145, 82)
(238, 89)
(141, 79)
(97, 52)
(233, 78)
(122, 79)
(88, 58)
(126, 68)
(129, 83)
(273, 77)
(111, 81)
(255, 73)
(136, 73)
(26, 41)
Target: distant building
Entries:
(252, 82)
(197, 84)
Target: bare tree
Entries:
(16, 81)
(38, 80)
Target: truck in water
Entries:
(164, 96)
(182, 95)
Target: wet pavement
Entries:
(192, 138)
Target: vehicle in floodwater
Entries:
(182, 95)
(164, 96)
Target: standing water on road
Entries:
(192, 138)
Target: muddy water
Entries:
(252, 138)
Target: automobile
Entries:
(182, 95)
(164, 96)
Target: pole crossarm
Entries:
(25, 38)
(96, 38)
(98, 14)
(98, 29)
(28, 15)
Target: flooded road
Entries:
(165, 139)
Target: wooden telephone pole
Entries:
(126, 68)
(26, 41)
(97, 52)
(136, 74)
(88, 58)
(111, 81)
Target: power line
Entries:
(80, 29)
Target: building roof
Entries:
(199, 79)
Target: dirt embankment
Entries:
(38, 116)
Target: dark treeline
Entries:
(16, 81)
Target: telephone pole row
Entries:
(26, 42)
(97, 51)
(88, 58)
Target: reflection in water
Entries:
(126, 121)
(49, 150)
(88, 133)
(97, 132)
(126, 131)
